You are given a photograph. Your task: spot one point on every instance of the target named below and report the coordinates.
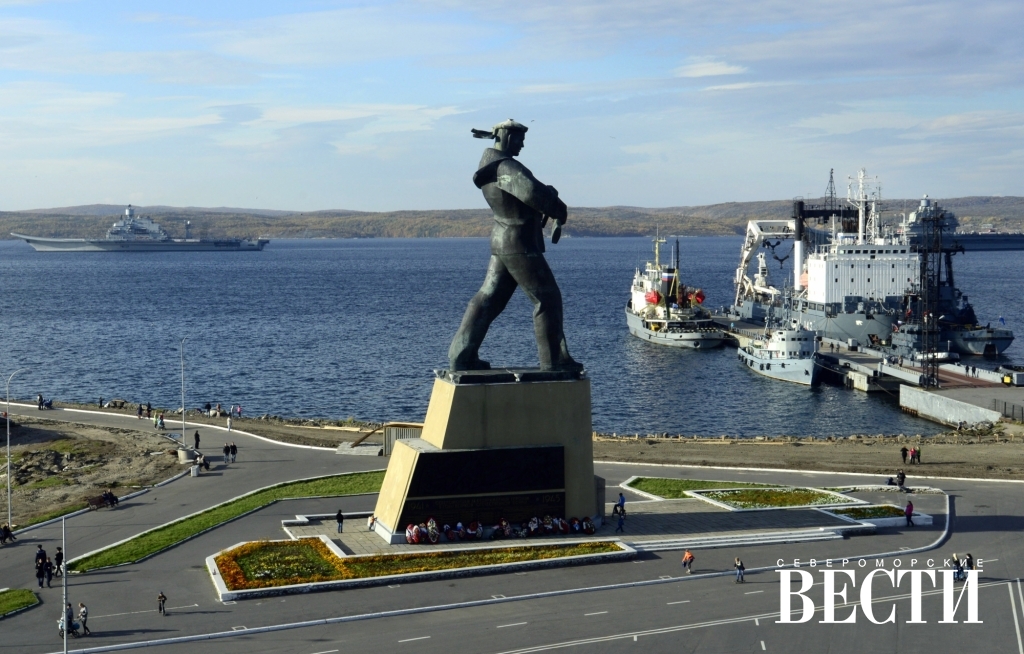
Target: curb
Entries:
(192, 515)
(198, 425)
(626, 552)
(78, 512)
(799, 472)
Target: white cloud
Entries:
(708, 67)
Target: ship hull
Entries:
(41, 244)
(860, 326)
(798, 371)
(698, 339)
(983, 342)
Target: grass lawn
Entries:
(12, 600)
(864, 512)
(263, 564)
(161, 538)
(50, 515)
(676, 488)
(773, 498)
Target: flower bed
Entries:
(263, 564)
(775, 498)
(677, 488)
(866, 512)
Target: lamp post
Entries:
(11, 526)
(182, 352)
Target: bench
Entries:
(98, 502)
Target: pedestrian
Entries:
(83, 617)
(739, 570)
(234, 451)
(156, 421)
(917, 454)
(901, 477)
(229, 422)
(8, 535)
(341, 520)
(196, 438)
(40, 572)
(227, 453)
(622, 521)
(909, 513)
(622, 504)
(138, 412)
(161, 600)
(913, 452)
(101, 402)
(48, 569)
(58, 562)
(903, 453)
(239, 410)
(958, 569)
(688, 559)
(39, 401)
(40, 555)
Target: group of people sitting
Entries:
(6, 534)
(109, 497)
(429, 532)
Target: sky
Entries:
(310, 105)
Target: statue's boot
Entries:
(469, 363)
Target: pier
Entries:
(966, 395)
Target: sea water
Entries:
(354, 328)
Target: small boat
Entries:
(663, 310)
(787, 354)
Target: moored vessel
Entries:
(787, 354)
(663, 310)
(140, 234)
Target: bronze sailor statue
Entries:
(522, 205)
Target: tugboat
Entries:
(662, 310)
(787, 354)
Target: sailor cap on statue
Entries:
(509, 124)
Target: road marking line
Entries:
(679, 602)
(114, 615)
(1020, 595)
(498, 596)
(326, 651)
(757, 622)
(665, 577)
(239, 628)
(229, 602)
(598, 613)
(753, 592)
(762, 646)
(634, 639)
(409, 640)
(392, 586)
(515, 624)
(1016, 622)
(904, 548)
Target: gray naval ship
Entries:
(140, 234)
(856, 281)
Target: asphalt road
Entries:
(668, 613)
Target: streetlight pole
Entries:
(9, 523)
(182, 351)
(68, 622)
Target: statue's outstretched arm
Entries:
(516, 179)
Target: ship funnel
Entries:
(798, 244)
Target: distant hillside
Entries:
(92, 221)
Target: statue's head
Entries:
(509, 136)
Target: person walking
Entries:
(227, 453)
(622, 521)
(917, 454)
(234, 452)
(239, 410)
(40, 572)
(58, 562)
(903, 453)
(48, 570)
(913, 453)
(196, 439)
(138, 412)
(622, 504)
(909, 513)
(156, 421)
(39, 401)
(739, 570)
(340, 518)
(83, 617)
(161, 600)
(688, 559)
(229, 423)
(958, 569)
(40, 554)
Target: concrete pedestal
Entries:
(496, 444)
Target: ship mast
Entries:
(657, 247)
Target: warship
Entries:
(140, 234)
(663, 310)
